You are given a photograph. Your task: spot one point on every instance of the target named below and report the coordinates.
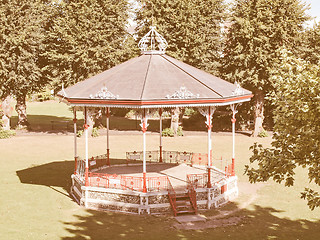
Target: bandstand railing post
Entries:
(233, 120)
(144, 126)
(160, 147)
(75, 140)
(86, 126)
(108, 148)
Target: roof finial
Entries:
(153, 42)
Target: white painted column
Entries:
(208, 112)
(160, 147)
(233, 120)
(86, 145)
(209, 126)
(144, 126)
(108, 147)
(86, 155)
(75, 140)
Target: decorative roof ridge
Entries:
(153, 43)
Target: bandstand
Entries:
(152, 82)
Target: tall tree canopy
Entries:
(192, 29)
(312, 44)
(22, 39)
(296, 140)
(87, 37)
(257, 29)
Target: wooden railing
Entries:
(172, 198)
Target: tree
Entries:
(311, 50)
(296, 140)
(22, 38)
(192, 29)
(258, 28)
(86, 38)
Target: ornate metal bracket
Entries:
(208, 113)
(153, 42)
(104, 94)
(182, 93)
(238, 91)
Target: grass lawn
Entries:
(35, 180)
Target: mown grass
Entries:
(35, 180)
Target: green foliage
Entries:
(311, 50)
(79, 133)
(263, 134)
(189, 112)
(87, 37)
(95, 132)
(167, 132)
(22, 44)
(296, 139)
(42, 96)
(191, 28)
(180, 131)
(119, 112)
(256, 31)
(6, 133)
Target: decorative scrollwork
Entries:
(153, 41)
(104, 94)
(182, 93)
(238, 91)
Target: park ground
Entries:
(35, 180)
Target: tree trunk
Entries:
(175, 120)
(7, 111)
(258, 113)
(91, 120)
(21, 109)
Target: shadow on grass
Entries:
(54, 174)
(260, 223)
(48, 124)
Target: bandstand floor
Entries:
(177, 173)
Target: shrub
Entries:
(79, 133)
(6, 133)
(180, 131)
(167, 132)
(263, 134)
(95, 132)
(189, 112)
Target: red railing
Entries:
(192, 194)
(172, 198)
(229, 170)
(127, 182)
(198, 180)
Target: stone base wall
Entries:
(148, 203)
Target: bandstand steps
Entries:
(183, 204)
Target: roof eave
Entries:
(168, 103)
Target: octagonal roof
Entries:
(154, 80)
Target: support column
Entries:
(86, 126)
(208, 114)
(144, 126)
(75, 140)
(233, 120)
(160, 147)
(108, 148)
